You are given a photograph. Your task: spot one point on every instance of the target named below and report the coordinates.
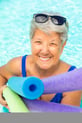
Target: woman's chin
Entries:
(44, 67)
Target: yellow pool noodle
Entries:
(14, 102)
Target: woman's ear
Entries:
(62, 46)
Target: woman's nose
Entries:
(45, 49)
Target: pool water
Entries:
(15, 17)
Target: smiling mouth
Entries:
(45, 58)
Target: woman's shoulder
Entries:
(68, 67)
(14, 65)
(65, 66)
(14, 61)
(12, 68)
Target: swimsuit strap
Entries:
(57, 98)
(24, 65)
(71, 68)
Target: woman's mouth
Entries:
(44, 58)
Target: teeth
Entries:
(44, 58)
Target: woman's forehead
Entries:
(39, 33)
(52, 37)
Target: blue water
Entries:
(15, 16)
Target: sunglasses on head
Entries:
(42, 18)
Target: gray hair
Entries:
(48, 26)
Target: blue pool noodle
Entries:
(28, 87)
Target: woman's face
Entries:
(46, 49)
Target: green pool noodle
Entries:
(14, 102)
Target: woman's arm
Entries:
(12, 68)
(72, 98)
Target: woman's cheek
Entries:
(35, 49)
(54, 50)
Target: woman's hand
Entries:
(2, 100)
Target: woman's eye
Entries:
(54, 44)
(38, 42)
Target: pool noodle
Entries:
(68, 81)
(28, 87)
(65, 82)
(76, 76)
(14, 102)
(42, 106)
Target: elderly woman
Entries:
(48, 34)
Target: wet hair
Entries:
(48, 27)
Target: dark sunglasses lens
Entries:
(57, 20)
(41, 18)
